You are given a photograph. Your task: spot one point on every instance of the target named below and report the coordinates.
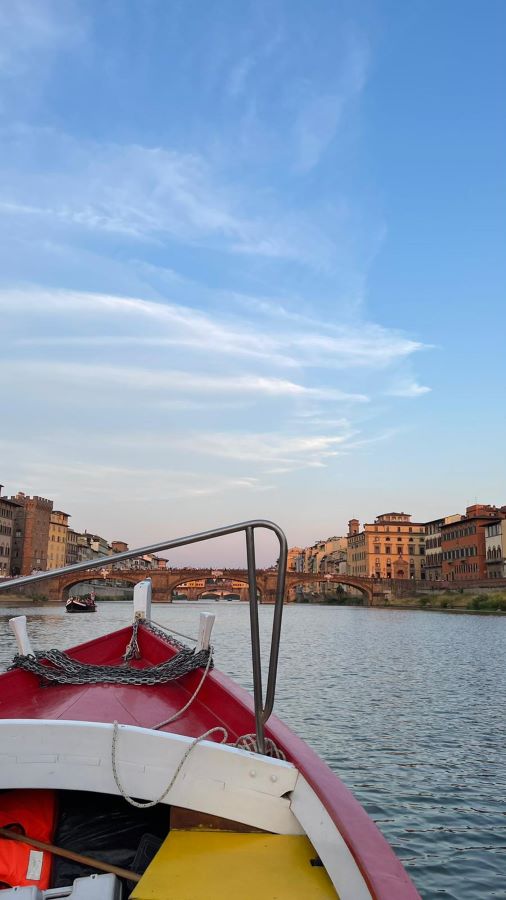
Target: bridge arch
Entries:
(66, 589)
(216, 591)
(360, 584)
(60, 587)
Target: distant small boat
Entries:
(81, 604)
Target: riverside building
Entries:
(7, 508)
(495, 548)
(463, 543)
(433, 551)
(57, 540)
(30, 537)
(391, 547)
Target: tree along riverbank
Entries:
(484, 601)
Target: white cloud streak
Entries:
(151, 194)
(138, 379)
(409, 390)
(307, 343)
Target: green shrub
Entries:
(487, 602)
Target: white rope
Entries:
(148, 803)
(192, 698)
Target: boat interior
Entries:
(162, 851)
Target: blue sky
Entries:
(252, 261)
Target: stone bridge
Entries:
(165, 581)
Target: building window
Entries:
(388, 549)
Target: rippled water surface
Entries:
(408, 708)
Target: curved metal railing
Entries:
(263, 709)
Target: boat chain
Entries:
(62, 669)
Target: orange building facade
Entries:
(391, 547)
(57, 539)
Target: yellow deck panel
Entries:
(192, 865)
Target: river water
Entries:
(407, 707)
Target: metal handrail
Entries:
(262, 709)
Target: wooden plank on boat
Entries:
(69, 854)
(221, 866)
(189, 819)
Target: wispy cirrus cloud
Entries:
(301, 342)
(29, 27)
(148, 194)
(265, 449)
(321, 111)
(409, 389)
(170, 380)
(186, 365)
(147, 482)
(264, 453)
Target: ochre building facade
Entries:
(390, 547)
(57, 541)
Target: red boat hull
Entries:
(220, 702)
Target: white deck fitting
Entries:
(206, 622)
(18, 625)
(142, 600)
(215, 779)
